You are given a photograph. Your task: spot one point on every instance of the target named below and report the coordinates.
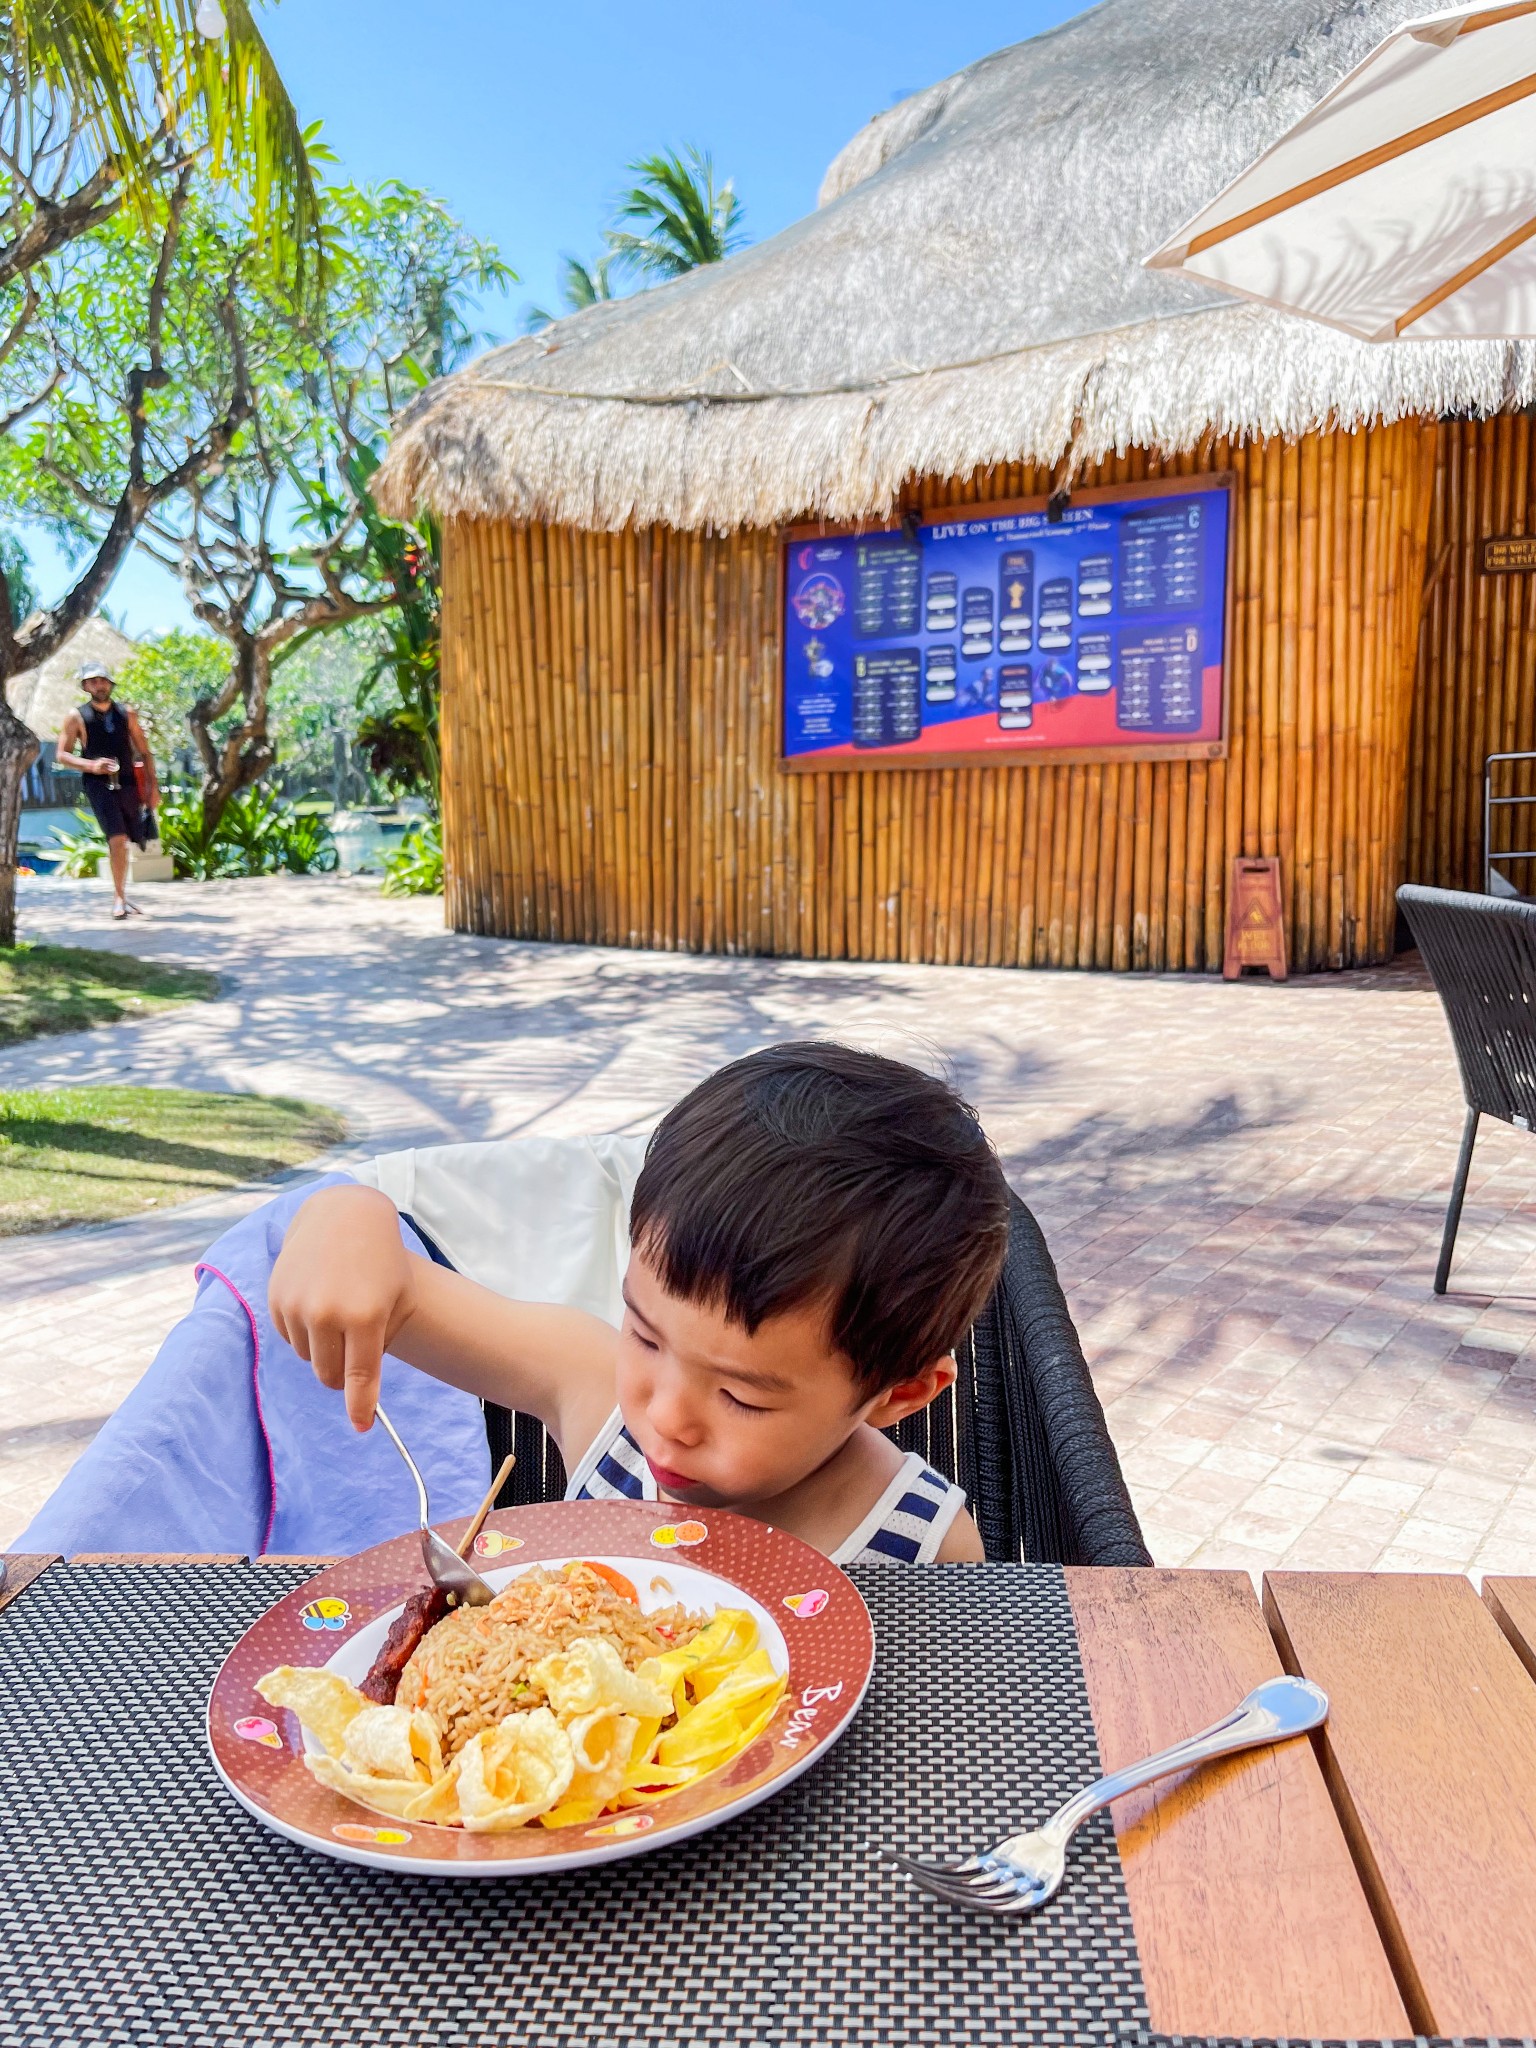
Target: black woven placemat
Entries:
(139, 1903)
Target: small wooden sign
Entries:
(1510, 554)
(1255, 926)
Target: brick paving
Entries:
(1243, 1186)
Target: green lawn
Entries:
(68, 988)
(88, 1155)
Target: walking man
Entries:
(106, 743)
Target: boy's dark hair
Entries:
(814, 1172)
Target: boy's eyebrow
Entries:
(765, 1382)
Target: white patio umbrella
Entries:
(1404, 205)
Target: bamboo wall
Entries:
(1476, 688)
(611, 712)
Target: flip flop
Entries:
(119, 911)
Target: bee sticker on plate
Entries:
(492, 1543)
(329, 1613)
(626, 1824)
(683, 1534)
(256, 1728)
(807, 1605)
(384, 1838)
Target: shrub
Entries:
(83, 851)
(198, 857)
(258, 834)
(415, 868)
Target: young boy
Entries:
(813, 1231)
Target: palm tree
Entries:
(123, 76)
(682, 219)
(580, 287)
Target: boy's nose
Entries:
(672, 1415)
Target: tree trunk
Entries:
(18, 750)
(247, 753)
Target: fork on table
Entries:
(1019, 1874)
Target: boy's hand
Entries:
(342, 1286)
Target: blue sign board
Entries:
(1003, 631)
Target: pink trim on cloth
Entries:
(182, 1463)
(261, 1420)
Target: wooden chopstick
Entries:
(462, 1546)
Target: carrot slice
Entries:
(617, 1580)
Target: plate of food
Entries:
(644, 1672)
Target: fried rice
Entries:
(473, 1667)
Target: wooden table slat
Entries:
(157, 1557)
(21, 1568)
(1512, 1603)
(1249, 1913)
(1430, 1751)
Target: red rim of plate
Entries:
(258, 1749)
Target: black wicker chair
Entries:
(1021, 1430)
(1481, 955)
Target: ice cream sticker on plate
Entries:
(806, 1604)
(254, 1728)
(492, 1543)
(352, 1831)
(683, 1533)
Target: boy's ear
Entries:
(908, 1396)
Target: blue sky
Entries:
(523, 117)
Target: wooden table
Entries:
(1374, 1880)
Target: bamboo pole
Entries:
(1085, 907)
(1325, 690)
(1288, 687)
(517, 637)
(1104, 876)
(502, 736)
(459, 815)
(1168, 903)
(612, 721)
(552, 770)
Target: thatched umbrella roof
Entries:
(969, 291)
(43, 697)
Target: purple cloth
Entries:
(230, 1443)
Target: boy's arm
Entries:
(345, 1290)
(962, 1543)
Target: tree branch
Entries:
(57, 223)
(45, 632)
(151, 376)
(9, 421)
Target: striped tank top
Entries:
(906, 1525)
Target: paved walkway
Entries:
(1243, 1186)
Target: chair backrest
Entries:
(1022, 1429)
(537, 1219)
(1481, 955)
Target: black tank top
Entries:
(107, 738)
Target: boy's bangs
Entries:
(747, 1265)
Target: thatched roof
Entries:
(42, 697)
(969, 291)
